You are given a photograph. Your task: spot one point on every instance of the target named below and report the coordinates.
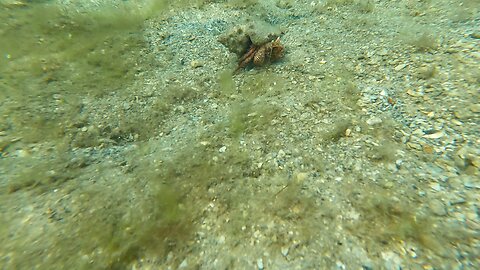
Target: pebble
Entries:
(457, 199)
(221, 239)
(475, 108)
(413, 93)
(426, 72)
(300, 177)
(374, 120)
(415, 146)
(470, 185)
(196, 64)
(183, 264)
(388, 185)
(340, 265)
(435, 186)
(383, 52)
(475, 35)
(462, 113)
(284, 251)
(260, 264)
(437, 207)
(428, 149)
(412, 253)
(433, 135)
(398, 163)
(391, 260)
(400, 67)
(23, 153)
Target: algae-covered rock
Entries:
(236, 40)
(253, 32)
(261, 32)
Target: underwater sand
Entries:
(127, 143)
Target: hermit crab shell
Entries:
(270, 51)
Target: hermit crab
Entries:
(259, 55)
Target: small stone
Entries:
(412, 93)
(183, 264)
(433, 135)
(340, 265)
(284, 251)
(475, 108)
(222, 149)
(437, 207)
(398, 163)
(391, 260)
(412, 253)
(457, 200)
(180, 108)
(301, 177)
(475, 160)
(374, 121)
(462, 113)
(284, 4)
(388, 185)
(260, 264)
(426, 72)
(416, 146)
(475, 35)
(471, 185)
(23, 153)
(428, 149)
(196, 64)
(435, 186)
(427, 267)
(456, 122)
(400, 67)
(383, 52)
(418, 132)
(475, 55)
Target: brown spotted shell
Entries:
(260, 55)
(268, 52)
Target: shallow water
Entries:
(127, 141)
